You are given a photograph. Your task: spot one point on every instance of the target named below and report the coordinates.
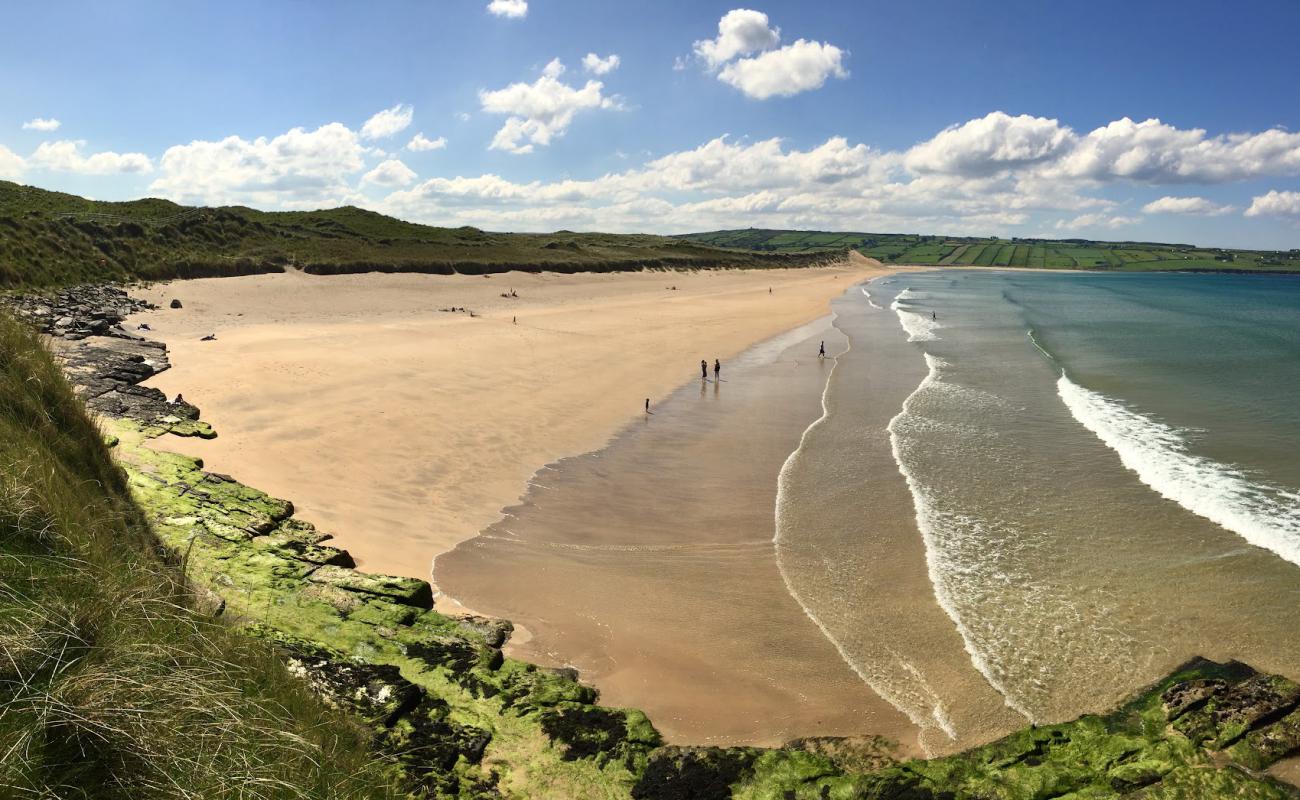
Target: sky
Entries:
(1146, 120)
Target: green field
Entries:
(994, 252)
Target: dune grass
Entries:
(52, 238)
(110, 686)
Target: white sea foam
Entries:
(870, 302)
(1263, 515)
(919, 327)
(929, 522)
(927, 714)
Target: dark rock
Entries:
(175, 303)
(591, 732)
(695, 773)
(494, 631)
(376, 692)
(567, 673)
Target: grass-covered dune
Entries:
(909, 249)
(51, 238)
(110, 686)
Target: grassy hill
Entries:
(110, 686)
(993, 252)
(55, 238)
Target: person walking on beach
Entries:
(647, 405)
(717, 370)
(704, 369)
(822, 352)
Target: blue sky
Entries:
(1014, 118)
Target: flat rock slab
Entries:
(405, 591)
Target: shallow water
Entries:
(1108, 496)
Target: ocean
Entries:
(1103, 469)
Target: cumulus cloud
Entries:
(740, 32)
(1275, 203)
(390, 173)
(1093, 221)
(389, 122)
(11, 164)
(1195, 206)
(41, 124)
(600, 66)
(789, 70)
(991, 144)
(419, 143)
(1154, 152)
(299, 168)
(794, 68)
(541, 110)
(514, 9)
(67, 156)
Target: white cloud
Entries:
(419, 143)
(1153, 152)
(1195, 206)
(11, 164)
(514, 9)
(462, 116)
(600, 66)
(740, 32)
(66, 156)
(1093, 221)
(390, 173)
(1275, 203)
(541, 110)
(783, 72)
(41, 124)
(299, 168)
(991, 144)
(388, 122)
(794, 68)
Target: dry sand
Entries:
(404, 430)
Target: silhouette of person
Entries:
(822, 352)
(704, 369)
(717, 369)
(647, 405)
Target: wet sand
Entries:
(649, 565)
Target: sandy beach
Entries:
(404, 429)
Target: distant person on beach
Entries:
(822, 352)
(647, 405)
(704, 369)
(934, 315)
(717, 370)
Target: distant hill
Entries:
(54, 238)
(993, 252)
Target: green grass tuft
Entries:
(112, 687)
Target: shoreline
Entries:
(472, 407)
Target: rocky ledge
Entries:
(454, 717)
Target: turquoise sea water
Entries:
(1104, 471)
